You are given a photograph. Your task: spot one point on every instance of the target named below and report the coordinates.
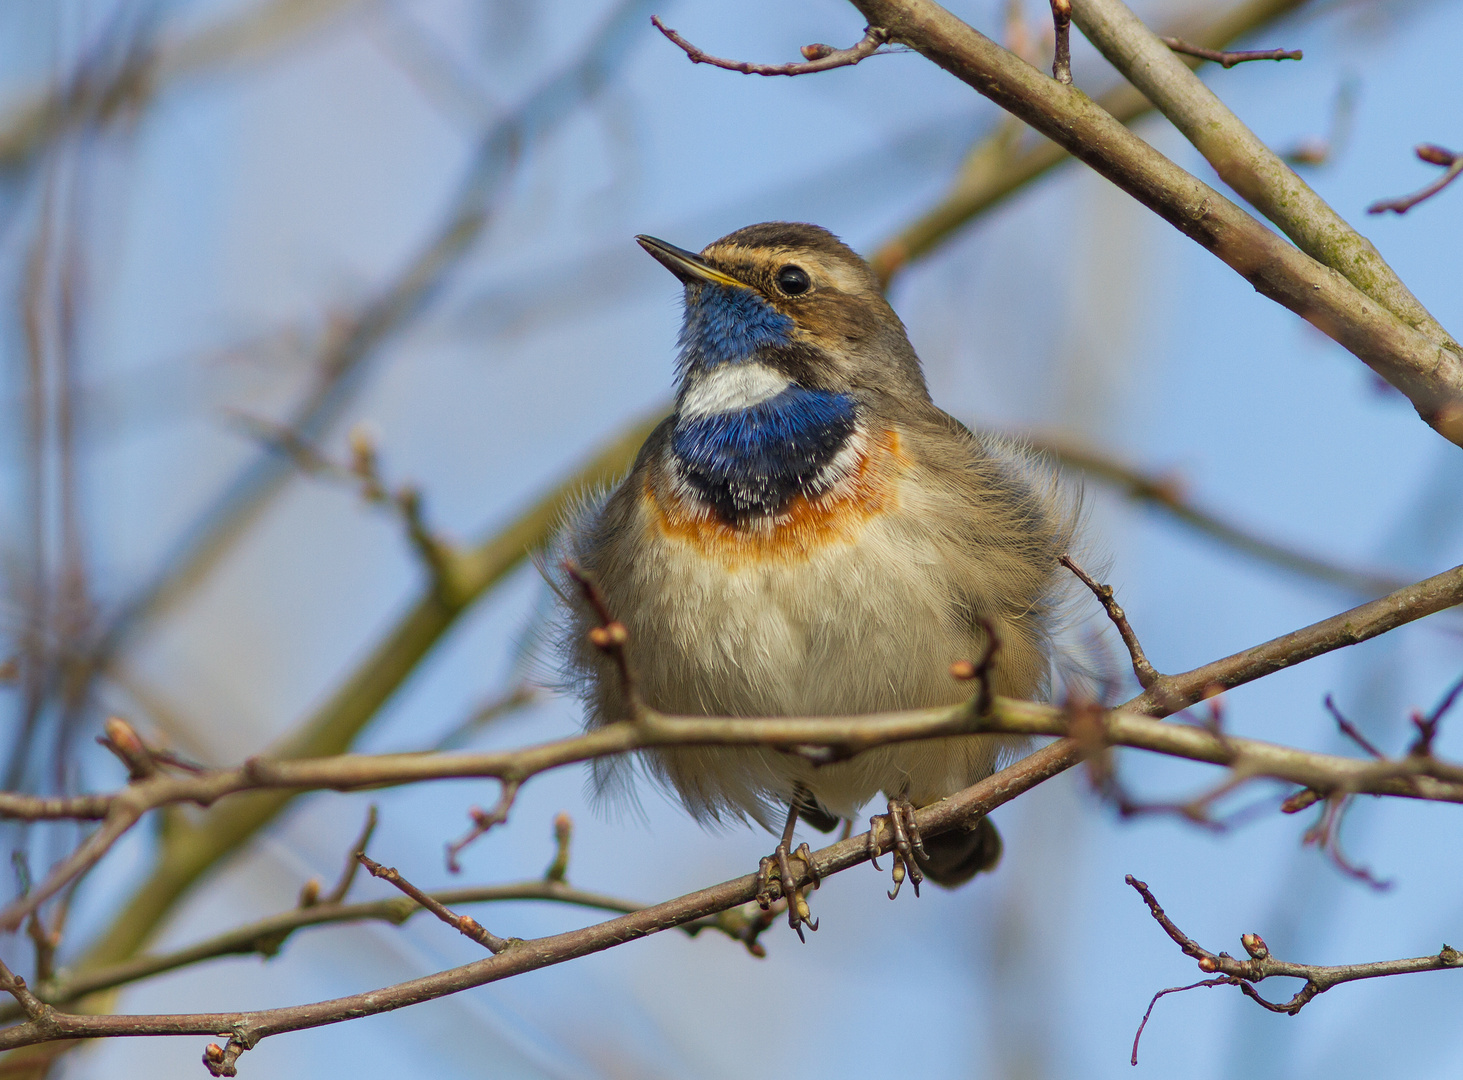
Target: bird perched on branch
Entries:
(809, 535)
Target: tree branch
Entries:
(1001, 164)
(1143, 670)
(266, 937)
(1436, 155)
(1414, 777)
(346, 354)
(817, 57)
(191, 848)
(1261, 965)
(1419, 776)
(248, 1028)
(1428, 371)
(1264, 180)
(1227, 59)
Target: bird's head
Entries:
(786, 304)
(788, 353)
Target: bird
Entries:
(808, 534)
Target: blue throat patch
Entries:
(728, 325)
(750, 462)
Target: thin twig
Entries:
(1227, 58)
(1436, 155)
(1002, 163)
(1261, 965)
(352, 864)
(1223, 980)
(1325, 834)
(817, 57)
(1062, 52)
(1415, 776)
(1350, 731)
(465, 925)
(266, 937)
(1145, 672)
(1427, 726)
(609, 637)
(484, 820)
(437, 554)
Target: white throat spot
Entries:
(731, 388)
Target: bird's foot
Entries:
(798, 913)
(906, 845)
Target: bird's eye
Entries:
(793, 280)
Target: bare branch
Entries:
(267, 936)
(1261, 965)
(192, 848)
(438, 555)
(352, 863)
(1062, 52)
(463, 924)
(1437, 156)
(1417, 776)
(1325, 834)
(1402, 343)
(1002, 163)
(1145, 672)
(1228, 59)
(346, 355)
(1244, 162)
(1427, 726)
(1350, 731)
(817, 57)
(248, 1028)
(485, 820)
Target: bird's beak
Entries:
(686, 265)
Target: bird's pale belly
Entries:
(844, 608)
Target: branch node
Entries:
(222, 1060)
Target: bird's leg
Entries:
(907, 843)
(798, 913)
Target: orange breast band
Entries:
(803, 527)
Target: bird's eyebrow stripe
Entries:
(731, 387)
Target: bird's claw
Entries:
(906, 845)
(798, 912)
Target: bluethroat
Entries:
(809, 535)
